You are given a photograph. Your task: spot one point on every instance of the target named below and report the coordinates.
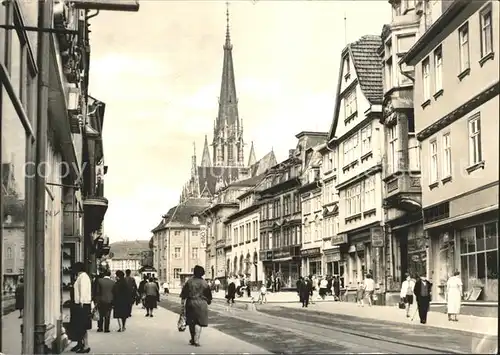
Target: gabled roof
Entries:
(131, 250)
(368, 66)
(266, 162)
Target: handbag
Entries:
(181, 323)
(402, 304)
(95, 314)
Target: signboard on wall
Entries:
(339, 239)
(310, 252)
(203, 236)
(266, 255)
(377, 237)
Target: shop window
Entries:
(479, 259)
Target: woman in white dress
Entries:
(454, 290)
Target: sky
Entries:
(159, 72)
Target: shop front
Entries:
(286, 263)
(266, 257)
(335, 264)
(311, 261)
(359, 261)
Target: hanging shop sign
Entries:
(360, 246)
(377, 237)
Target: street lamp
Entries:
(107, 5)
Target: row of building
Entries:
(405, 179)
(52, 161)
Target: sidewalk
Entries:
(11, 333)
(159, 335)
(277, 297)
(472, 324)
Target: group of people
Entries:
(419, 289)
(312, 286)
(109, 295)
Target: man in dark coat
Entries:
(306, 291)
(422, 292)
(103, 298)
(143, 283)
(132, 288)
(298, 285)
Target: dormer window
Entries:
(347, 68)
(195, 220)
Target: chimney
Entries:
(291, 153)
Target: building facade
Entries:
(404, 237)
(179, 241)
(333, 262)
(242, 239)
(312, 213)
(357, 132)
(456, 121)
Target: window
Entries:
(353, 205)
(393, 162)
(446, 155)
(463, 38)
(350, 103)
(9, 253)
(369, 193)
(235, 235)
(194, 253)
(177, 233)
(438, 69)
(286, 205)
(242, 234)
(177, 273)
(426, 79)
(479, 258)
(249, 233)
(475, 155)
(366, 140)
(177, 252)
(350, 146)
(486, 33)
(347, 67)
(194, 233)
(21, 253)
(388, 74)
(434, 162)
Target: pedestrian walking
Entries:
(454, 292)
(152, 292)
(323, 288)
(231, 292)
(19, 295)
(81, 318)
(360, 295)
(369, 287)
(422, 291)
(103, 299)
(132, 286)
(140, 291)
(306, 291)
(298, 285)
(336, 288)
(121, 301)
(262, 294)
(406, 294)
(217, 285)
(195, 298)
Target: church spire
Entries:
(228, 140)
(205, 158)
(252, 159)
(193, 161)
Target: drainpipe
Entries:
(45, 16)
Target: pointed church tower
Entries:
(252, 159)
(228, 133)
(205, 158)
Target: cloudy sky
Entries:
(159, 70)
